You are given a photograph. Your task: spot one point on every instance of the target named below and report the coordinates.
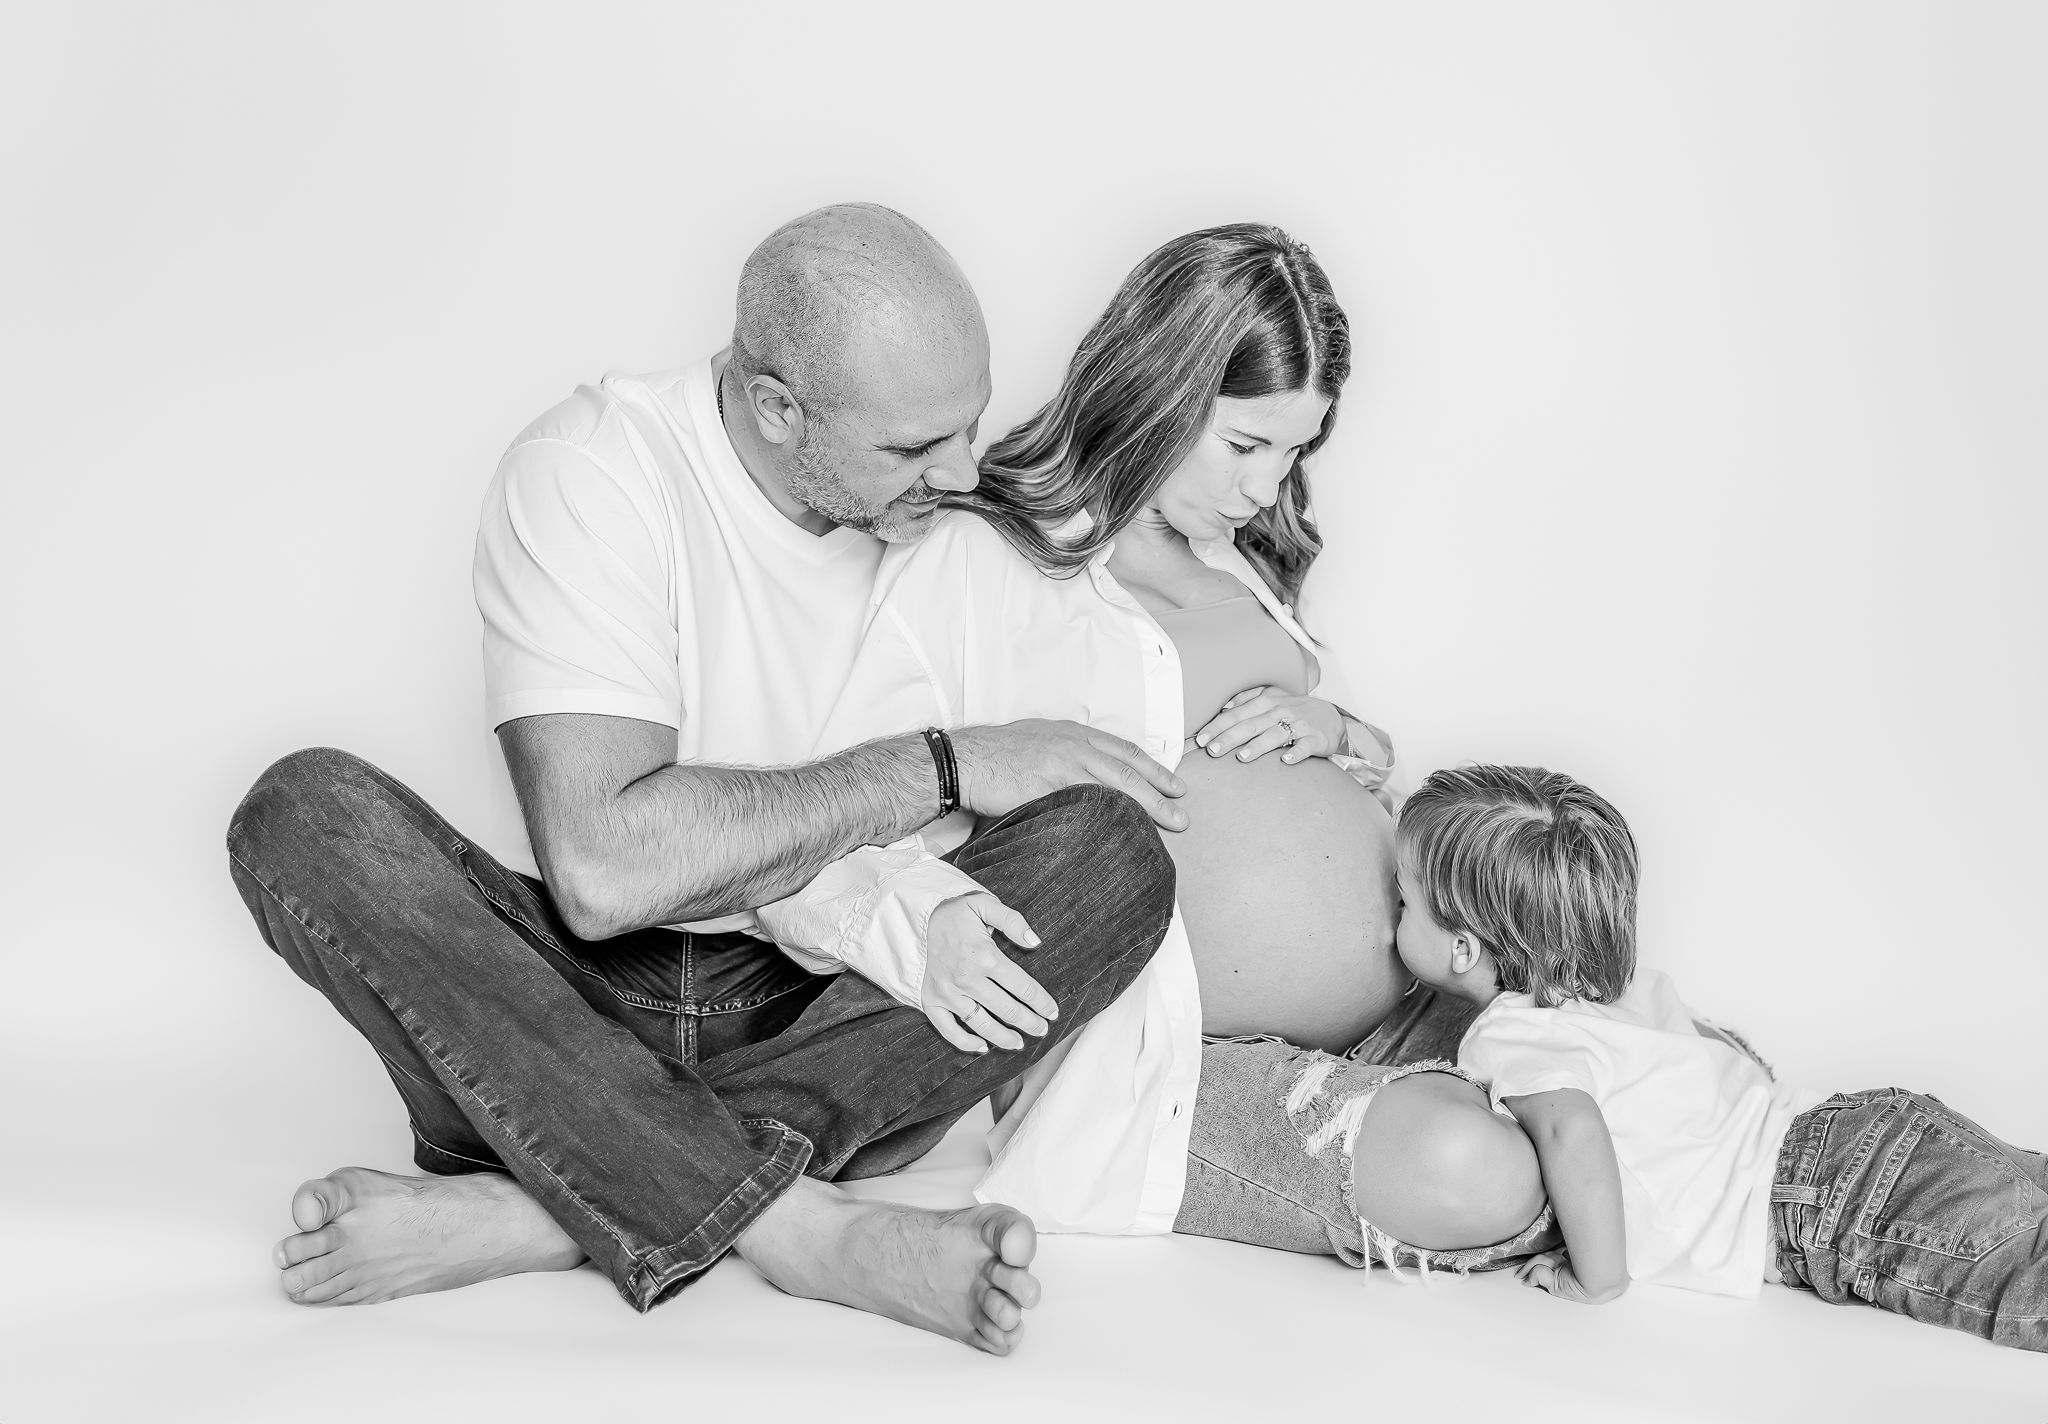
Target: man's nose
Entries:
(952, 466)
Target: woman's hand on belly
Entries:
(1263, 719)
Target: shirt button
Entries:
(1176, 1108)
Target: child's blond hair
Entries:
(1536, 867)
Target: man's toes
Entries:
(328, 1291)
(999, 1310)
(318, 1202)
(1016, 1282)
(305, 1246)
(993, 1340)
(1010, 1235)
(310, 1273)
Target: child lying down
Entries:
(1667, 1152)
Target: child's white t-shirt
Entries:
(1696, 1124)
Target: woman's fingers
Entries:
(1006, 921)
(1230, 730)
(1009, 1013)
(1270, 739)
(977, 1018)
(974, 1021)
(949, 1029)
(1010, 975)
(1235, 714)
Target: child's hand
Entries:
(1552, 1272)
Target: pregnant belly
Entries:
(1287, 890)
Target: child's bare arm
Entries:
(1584, 1183)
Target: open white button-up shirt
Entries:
(966, 631)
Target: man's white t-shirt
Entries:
(626, 564)
(1696, 1123)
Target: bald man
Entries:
(604, 1053)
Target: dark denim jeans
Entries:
(1889, 1197)
(655, 1092)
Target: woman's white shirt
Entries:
(966, 631)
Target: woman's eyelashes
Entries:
(1288, 454)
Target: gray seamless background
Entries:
(1696, 447)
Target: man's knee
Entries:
(325, 811)
(1108, 836)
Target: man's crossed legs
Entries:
(659, 1098)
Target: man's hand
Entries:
(972, 992)
(1003, 767)
(1552, 1272)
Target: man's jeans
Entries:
(1889, 1197)
(655, 1092)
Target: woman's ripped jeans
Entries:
(1270, 1159)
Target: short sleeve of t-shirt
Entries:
(575, 579)
(1517, 1049)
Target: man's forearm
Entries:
(691, 842)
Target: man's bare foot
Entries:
(367, 1236)
(958, 1273)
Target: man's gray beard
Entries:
(814, 482)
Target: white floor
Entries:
(139, 1286)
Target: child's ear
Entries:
(1465, 954)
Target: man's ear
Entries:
(777, 416)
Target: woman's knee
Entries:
(1439, 1168)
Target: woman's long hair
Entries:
(1241, 311)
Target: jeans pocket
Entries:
(1942, 1190)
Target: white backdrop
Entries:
(1696, 444)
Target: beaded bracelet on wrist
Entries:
(941, 747)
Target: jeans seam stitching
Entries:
(659, 1278)
(573, 1195)
(404, 1071)
(1273, 1192)
(519, 918)
(734, 1006)
(493, 1167)
(1881, 1272)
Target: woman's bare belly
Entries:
(1287, 891)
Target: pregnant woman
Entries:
(1131, 560)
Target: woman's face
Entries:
(1237, 467)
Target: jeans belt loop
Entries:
(1798, 1196)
